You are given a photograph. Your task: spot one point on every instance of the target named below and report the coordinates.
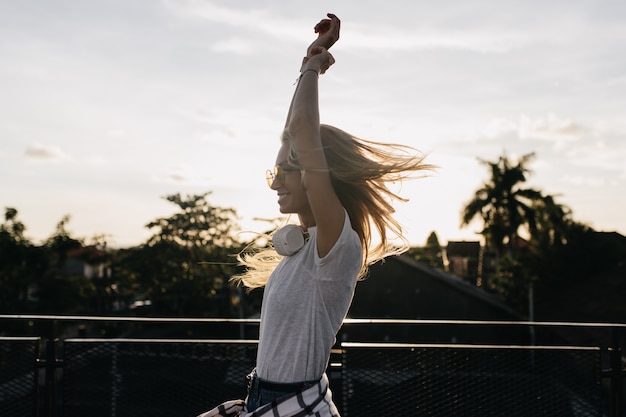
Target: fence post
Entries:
(37, 370)
(616, 393)
(50, 371)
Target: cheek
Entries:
(293, 181)
(298, 191)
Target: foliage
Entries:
(431, 253)
(503, 205)
(61, 242)
(197, 224)
(184, 267)
(583, 253)
(21, 265)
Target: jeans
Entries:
(260, 397)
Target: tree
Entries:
(553, 221)
(61, 242)
(503, 205)
(59, 290)
(431, 253)
(12, 226)
(21, 265)
(197, 223)
(184, 267)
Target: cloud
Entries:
(414, 39)
(43, 152)
(250, 19)
(31, 72)
(357, 35)
(177, 177)
(237, 46)
(587, 181)
(183, 175)
(496, 129)
(598, 155)
(549, 127)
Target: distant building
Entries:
(403, 288)
(86, 261)
(473, 262)
(464, 259)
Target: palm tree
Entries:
(503, 205)
(553, 221)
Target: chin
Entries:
(284, 210)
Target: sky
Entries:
(108, 106)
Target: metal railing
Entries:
(116, 366)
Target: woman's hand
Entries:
(328, 34)
(328, 30)
(320, 60)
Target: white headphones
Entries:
(289, 239)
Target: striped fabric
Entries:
(313, 401)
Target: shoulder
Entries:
(347, 247)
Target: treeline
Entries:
(182, 269)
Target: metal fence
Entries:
(408, 371)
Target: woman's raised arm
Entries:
(303, 132)
(328, 34)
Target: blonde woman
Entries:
(336, 184)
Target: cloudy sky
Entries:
(106, 106)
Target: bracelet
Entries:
(302, 74)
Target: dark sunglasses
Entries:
(278, 174)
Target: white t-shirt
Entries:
(305, 301)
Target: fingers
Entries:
(328, 34)
(322, 26)
(335, 21)
(325, 24)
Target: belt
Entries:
(254, 382)
(274, 386)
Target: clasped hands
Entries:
(318, 57)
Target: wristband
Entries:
(302, 74)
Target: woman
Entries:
(336, 185)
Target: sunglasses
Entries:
(278, 174)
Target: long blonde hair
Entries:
(360, 171)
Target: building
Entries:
(464, 259)
(403, 288)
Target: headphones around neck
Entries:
(289, 239)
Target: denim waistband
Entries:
(256, 383)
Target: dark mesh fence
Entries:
(153, 378)
(164, 378)
(380, 380)
(18, 385)
(138, 377)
